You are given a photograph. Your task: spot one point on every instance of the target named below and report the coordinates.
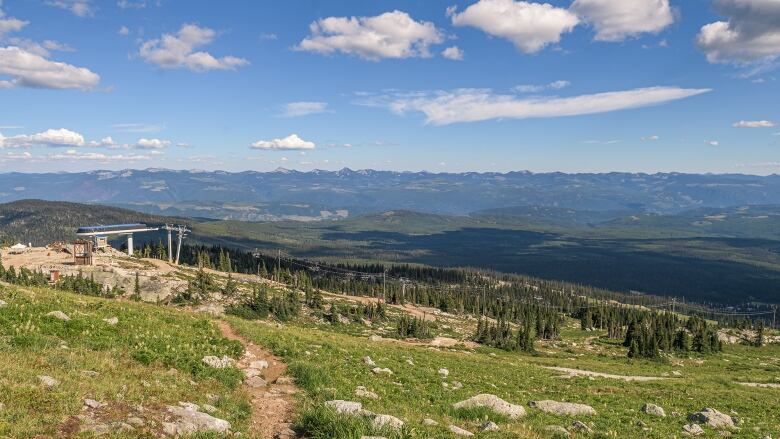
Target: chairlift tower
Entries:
(181, 232)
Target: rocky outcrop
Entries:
(188, 419)
(562, 408)
(712, 417)
(492, 402)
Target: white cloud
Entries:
(712, 142)
(79, 8)
(652, 138)
(472, 105)
(31, 70)
(105, 142)
(529, 26)
(390, 35)
(124, 31)
(10, 24)
(530, 88)
(754, 124)
(618, 20)
(178, 51)
(751, 33)
(454, 53)
(152, 143)
(291, 142)
(40, 49)
(50, 137)
(296, 109)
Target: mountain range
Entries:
(321, 195)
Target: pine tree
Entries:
(136, 288)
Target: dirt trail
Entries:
(272, 405)
(577, 372)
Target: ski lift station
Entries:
(100, 234)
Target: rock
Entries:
(362, 392)
(387, 421)
(90, 373)
(457, 385)
(345, 407)
(256, 382)
(286, 433)
(652, 409)
(208, 408)
(59, 315)
(136, 421)
(91, 403)
(249, 373)
(380, 371)
(375, 338)
(562, 408)
(285, 380)
(48, 381)
(217, 362)
(581, 427)
(429, 422)
(711, 417)
(3, 303)
(259, 365)
(557, 431)
(489, 426)
(492, 402)
(112, 320)
(459, 431)
(693, 429)
(444, 372)
(367, 360)
(191, 421)
(410, 362)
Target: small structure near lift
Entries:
(82, 252)
(100, 234)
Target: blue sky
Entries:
(439, 85)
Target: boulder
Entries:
(367, 360)
(112, 320)
(259, 365)
(191, 421)
(459, 431)
(382, 371)
(91, 403)
(387, 421)
(562, 408)
(444, 372)
(345, 407)
(693, 429)
(654, 410)
(59, 315)
(255, 382)
(492, 402)
(489, 426)
(429, 422)
(711, 417)
(581, 427)
(217, 362)
(362, 392)
(48, 382)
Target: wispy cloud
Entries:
(473, 105)
(297, 109)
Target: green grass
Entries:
(132, 360)
(328, 365)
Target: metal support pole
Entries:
(170, 244)
(178, 246)
(130, 244)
